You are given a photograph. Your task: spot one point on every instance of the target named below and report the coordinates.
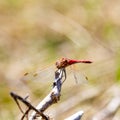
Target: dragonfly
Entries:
(60, 64)
(65, 62)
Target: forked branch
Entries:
(51, 98)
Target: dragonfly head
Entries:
(62, 63)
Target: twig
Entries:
(110, 109)
(76, 116)
(53, 96)
(15, 97)
(25, 114)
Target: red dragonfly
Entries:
(60, 64)
(65, 62)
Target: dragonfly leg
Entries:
(65, 75)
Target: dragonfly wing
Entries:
(78, 76)
(46, 74)
(41, 75)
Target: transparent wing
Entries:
(42, 75)
(78, 76)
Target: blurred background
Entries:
(34, 34)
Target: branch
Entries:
(52, 97)
(30, 107)
(76, 116)
(110, 109)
